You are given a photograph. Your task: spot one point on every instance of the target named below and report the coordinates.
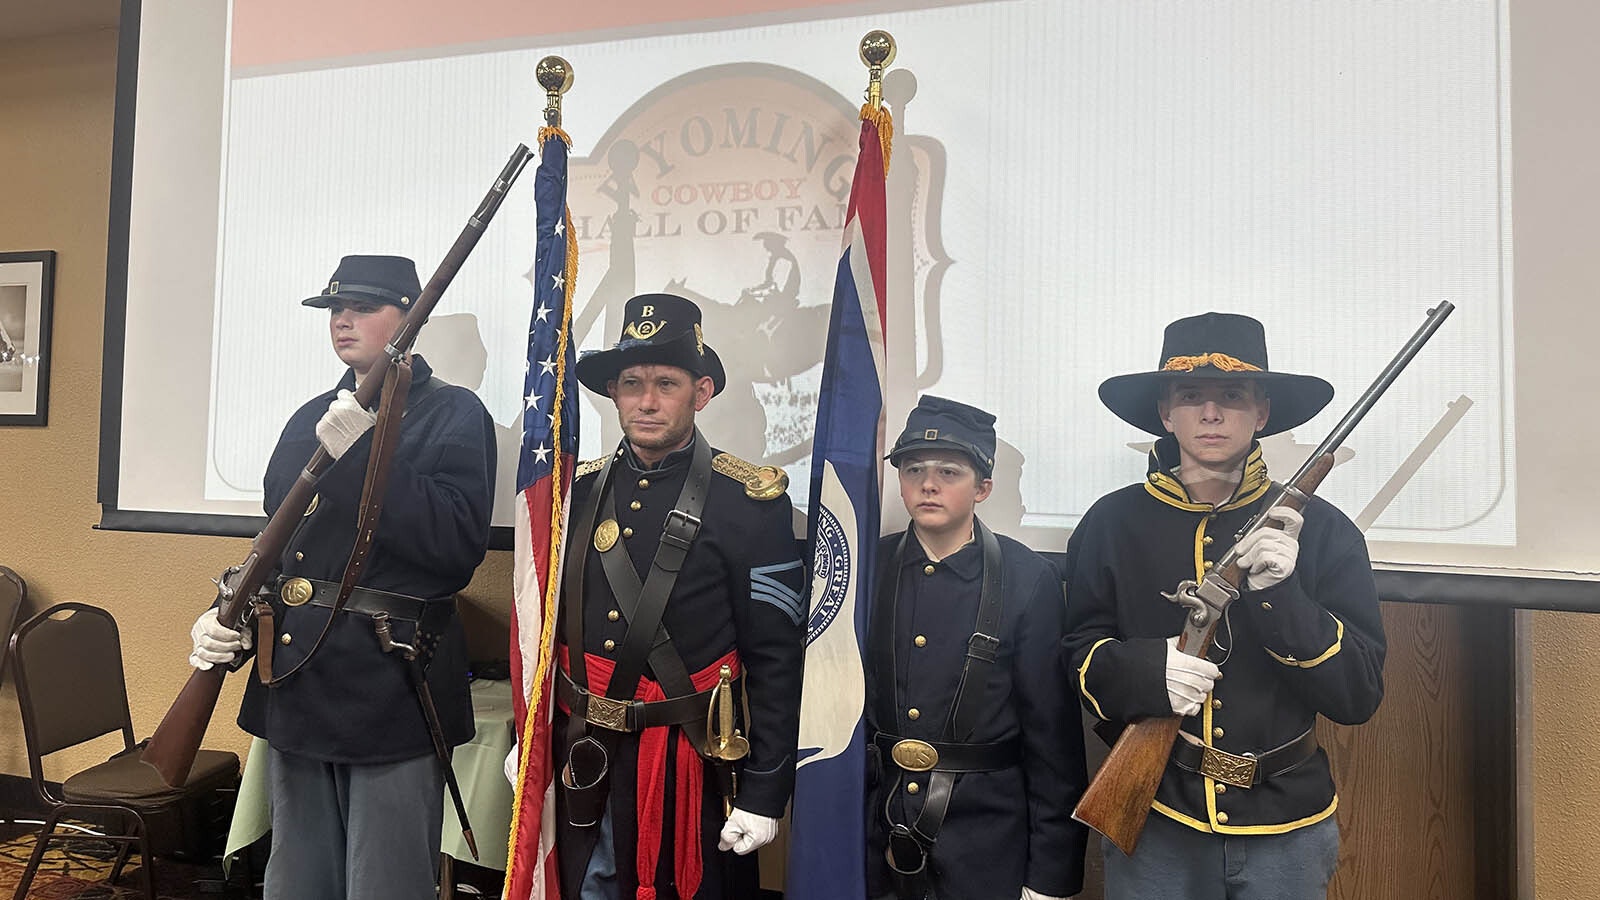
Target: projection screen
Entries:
(1066, 178)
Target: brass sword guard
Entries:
(726, 743)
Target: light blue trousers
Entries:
(354, 832)
(1175, 861)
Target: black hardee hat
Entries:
(374, 279)
(939, 423)
(1223, 346)
(657, 329)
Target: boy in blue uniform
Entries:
(1304, 638)
(977, 753)
(356, 787)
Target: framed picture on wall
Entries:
(27, 284)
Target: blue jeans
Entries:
(1175, 861)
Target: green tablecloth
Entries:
(479, 768)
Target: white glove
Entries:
(343, 424)
(1029, 893)
(747, 832)
(1189, 679)
(214, 644)
(1269, 554)
(511, 765)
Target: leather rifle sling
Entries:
(385, 439)
(646, 642)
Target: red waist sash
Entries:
(652, 777)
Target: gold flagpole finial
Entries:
(877, 52)
(555, 76)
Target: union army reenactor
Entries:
(356, 783)
(1245, 807)
(977, 754)
(682, 601)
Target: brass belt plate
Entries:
(914, 756)
(605, 536)
(296, 592)
(1220, 765)
(607, 713)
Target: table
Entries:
(479, 767)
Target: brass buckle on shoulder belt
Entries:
(914, 755)
(1220, 765)
(607, 713)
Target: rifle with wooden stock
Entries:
(171, 749)
(1118, 800)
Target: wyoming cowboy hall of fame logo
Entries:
(729, 185)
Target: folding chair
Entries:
(70, 686)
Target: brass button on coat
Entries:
(299, 555)
(913, 713)
(286, 639)
(1217, 731)
(627, 532)
(1266, 606)
(644, 483)
(1215, 703)
(613, 615)
(928, 569)
(920, 640)
(1222, 818)
(635, 505)
(913, 787)
(1206, 540)
(1222, 788)
(610, 644)
(1208, 565)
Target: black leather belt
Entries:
(630, 715)
(915, 755)
(1244, 770)
(366, 601)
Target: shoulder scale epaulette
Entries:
(589, 467)
(760, 482)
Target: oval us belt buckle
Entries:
(296, 592)
(914, 755)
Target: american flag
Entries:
(827, 857)
(544, 477)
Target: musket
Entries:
(172, 748)
(1118, 800)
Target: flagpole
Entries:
(543, 481)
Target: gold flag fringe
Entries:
(880, 117)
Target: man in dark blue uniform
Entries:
(356, 786)
(977, 753)
(682, 602)
(1245, 808)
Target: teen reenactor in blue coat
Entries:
(977, 755)
(356, 787)
(682, 604)
(1245, 809)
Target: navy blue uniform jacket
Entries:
(353, 703)
(1008, 828)
(1311, 644)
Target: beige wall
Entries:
(56, 98)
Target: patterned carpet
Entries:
(77, 870)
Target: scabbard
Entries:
(586, 779)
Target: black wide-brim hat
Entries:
(1220, 347)
(658, 330)
(371, 279)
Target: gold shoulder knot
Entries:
(760, 482)
(589, 467)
